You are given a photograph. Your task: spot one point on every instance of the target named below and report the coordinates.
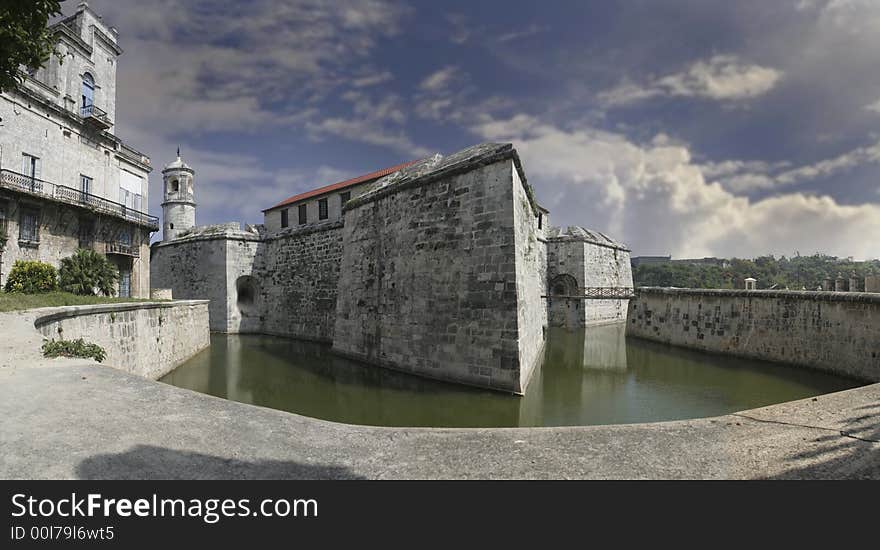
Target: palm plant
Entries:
(88, 273)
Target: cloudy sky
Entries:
(683, 127)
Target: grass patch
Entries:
(15, 301)
(74, 348)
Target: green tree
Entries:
(25, 39)
(88, 273)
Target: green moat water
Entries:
(591, 376)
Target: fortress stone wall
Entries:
(579, 259)
(299, 283)
(439, 269)
(837, 332)
(430, 281)
(147, 339)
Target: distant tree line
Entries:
(793, 273)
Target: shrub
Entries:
(88, 273)
(74, 348)
(32, 278)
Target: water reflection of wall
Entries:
(605, 347)
(584, 366)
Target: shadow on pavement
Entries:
(148, 462)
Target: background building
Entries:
(66, 180)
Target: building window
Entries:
(129, 199)
(29, 225)
(302, 214)
(125, 283)
(322, 209)
(540, 220)
(3, 207)
(284, 221)
(85, 187)
(88, 93)
(86, 233)
(344, 198)
(30, 166)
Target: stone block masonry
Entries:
(146, 339)
(435, 273)
(579, 259)
(438, 269)
(830, 331)
(299, 280)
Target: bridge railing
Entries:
(598, 293)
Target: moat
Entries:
(591, 376)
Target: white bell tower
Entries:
(178, 207)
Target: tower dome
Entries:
(178, 206)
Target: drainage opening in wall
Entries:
(246, 291)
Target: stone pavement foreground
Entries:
(73, 419)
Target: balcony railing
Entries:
(122, 249)
(95, 115)
(20, 182)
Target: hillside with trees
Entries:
(793, 273)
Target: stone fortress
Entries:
(445, 267)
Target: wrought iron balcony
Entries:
(33, 186)
(95, 116)
(122, 249)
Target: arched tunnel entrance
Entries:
(565, 302)
(246, 295)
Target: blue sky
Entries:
(689, 128)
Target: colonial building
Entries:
(67, 181)
(446, 267)
(322, 205)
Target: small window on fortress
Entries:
(302, 214)
(344, 197)
(540, 220)
(322, 209)
(175, 186)
(284, 221)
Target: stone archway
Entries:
(565, 306)
(246, 294)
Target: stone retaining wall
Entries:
(148, 339)
(837, 332)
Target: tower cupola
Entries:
(178, 205)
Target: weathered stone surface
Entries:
(837, 332)
(577, 259)
(44, 119)
(60, 228)
(429, 281)
(146, 339)
(439, 269)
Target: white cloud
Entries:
(531, 30)
(440, 79)
(657, 200)
(722, 77)
(224, 65)
(372, 79)
(372, 121)
(742, 176)
(874, 106)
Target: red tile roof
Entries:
(342, 185)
